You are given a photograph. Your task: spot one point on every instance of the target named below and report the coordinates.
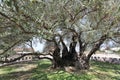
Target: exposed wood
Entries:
(82, 45)
(65, 50)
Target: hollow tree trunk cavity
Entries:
(71, 58)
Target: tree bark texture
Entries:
(71, 58)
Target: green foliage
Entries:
(25, 19)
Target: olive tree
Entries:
(83, 22)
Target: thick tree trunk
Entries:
(71, 58)
(56, 58)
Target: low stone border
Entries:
(106, 59)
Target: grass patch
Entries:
(98, 71)
(20, 71)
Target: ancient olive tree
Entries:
(83, 22)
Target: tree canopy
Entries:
(89, 20)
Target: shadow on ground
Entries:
(98, 71)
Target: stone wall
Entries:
(106, 59)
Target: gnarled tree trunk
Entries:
(71, 58)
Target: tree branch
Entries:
(101, 20)
(96, 46)
(82, 45)
(18, 58)
(18, 25)
(81, 10)
(115, 40)
(13, 21)
(45, 58)
(10, 47)
(93, 10)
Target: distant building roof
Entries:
(23, 50)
